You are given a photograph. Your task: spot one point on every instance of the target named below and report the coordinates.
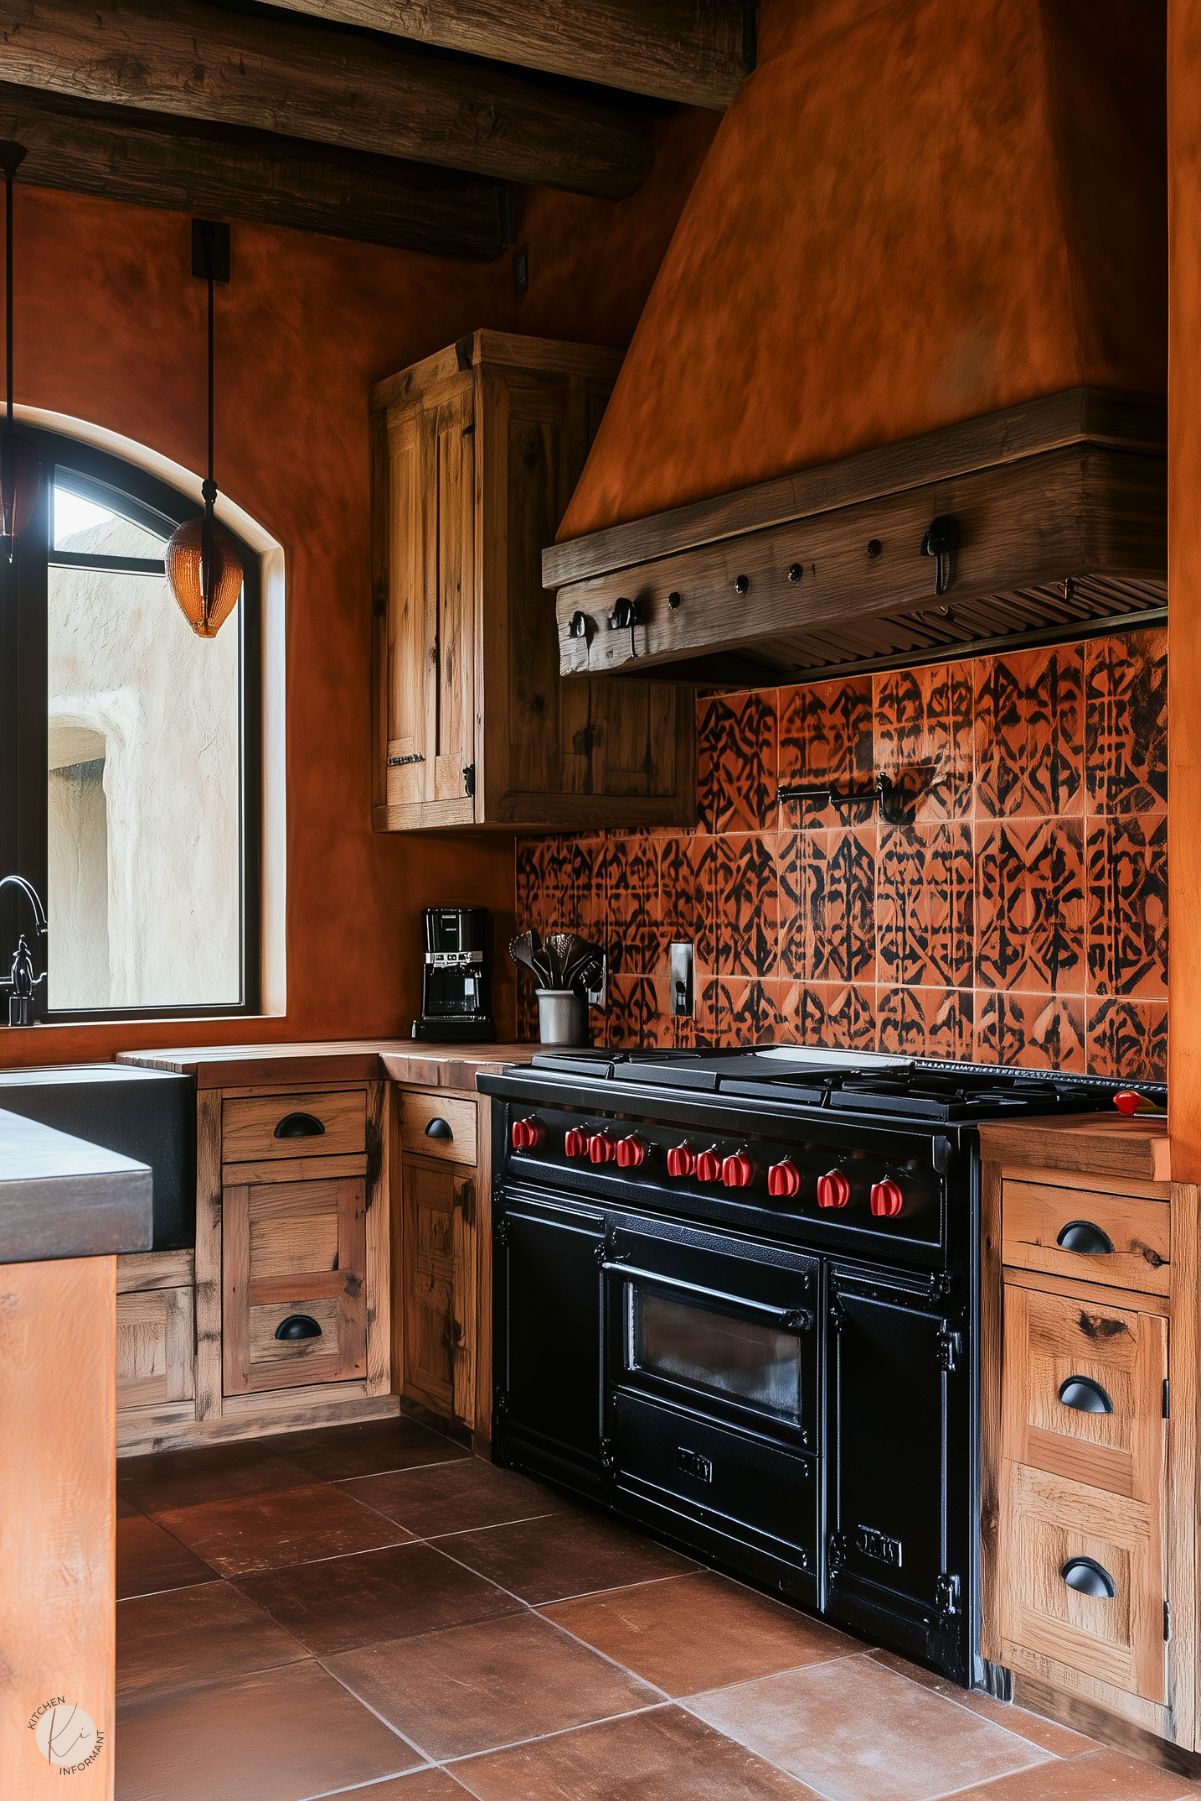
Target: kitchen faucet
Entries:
(21, 980)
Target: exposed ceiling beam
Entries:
(334, 87)
(152, 159)
(693, 51)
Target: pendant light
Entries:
(20, 464)
(204, 568)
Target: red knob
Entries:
(887, 1199)
(601, 1148)
(575, 1142)
(708, 1167)
(632, 1152)
(833, 1189)
(681, 1159)
(784, 1179)
(527, 1133)
(738, 1171)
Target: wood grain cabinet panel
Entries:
(268, 1126)
(439, 1126)
(476, 452)
(155, 1348)
(1042, 1222)
(294, 1250)
(437, 1285)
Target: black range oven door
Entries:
(712, 1392)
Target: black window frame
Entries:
(109, 480)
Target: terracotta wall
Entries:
(914, 212)
(110, 330)
(1016, 914)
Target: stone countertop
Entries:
(334, 1060)
(62, 1197)
(1089, 1144)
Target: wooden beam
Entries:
(333, 87)
(692, 51)
(152, 159)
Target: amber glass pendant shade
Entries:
(20, 483)
(186, 572)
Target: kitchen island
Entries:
(66, 1210)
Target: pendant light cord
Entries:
(210, 486)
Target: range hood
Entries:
(1036, 522)
(921, 276)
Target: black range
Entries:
(735, 1299)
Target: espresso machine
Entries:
(456, 1000)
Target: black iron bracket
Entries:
(884, 794)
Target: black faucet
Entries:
(21, 981)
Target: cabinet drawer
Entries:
(294, 1125)
(1064, 1540)
(1123, 1241)
(293, 1252)
(1084, 1389)
(155, 1347)
(434, 1125)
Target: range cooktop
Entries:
(918, 1088)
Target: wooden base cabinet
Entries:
(1088, 1378)
(476, 452)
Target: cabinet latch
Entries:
(946, 1593)
(950, 1350)
(469, 780)
(1167, 1620)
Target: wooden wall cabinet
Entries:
(475, 454)
(1088, 1502)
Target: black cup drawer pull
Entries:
(1082, 1236)
(1088, 1577)
(1084, 1395)
(300, 1125)
(298, 1325)
(439, 1128)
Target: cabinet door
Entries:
(294, 1295)
(155, 1348)
(454, 622)
(547, 1359)
(437, 1282)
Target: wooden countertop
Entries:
(333, 1060)
(1098, 1144)
(62, 1197)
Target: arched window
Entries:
(129, 755)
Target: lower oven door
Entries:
(711, 1400)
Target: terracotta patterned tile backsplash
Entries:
(1016, 914)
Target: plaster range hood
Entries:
(1039, 522)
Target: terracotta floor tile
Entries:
(215, 1473)
(346, 1602)
(293, 1525)
(209, 1633)
(568, 1554)
(150, 1559)
(1059, 1740)
(477, 1687)
(659, 1756)
(860, 1732)
(455, 1497)
(282, 1735)
(422, 1785)
(334, 1455)
(698, 1632)
(1099, 1776)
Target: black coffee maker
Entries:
(456, 1000)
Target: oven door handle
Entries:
(790, 1319)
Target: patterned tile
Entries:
(828, 1014)
(1031, 906)
(1030, 734)
(747, 903)
(686, 893)
(736, 762)
(925, 905)
(747, 1012)
(1128, 1039)
(1128, 906)
(1126, 723)
(828, 905)
(825, 736)
(637, 1014)
(923, 738)
(926, 1022)
(1041, 1031)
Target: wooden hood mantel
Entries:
(1034, 523)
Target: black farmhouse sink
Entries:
(147, 1114)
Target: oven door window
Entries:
(696, 1344)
